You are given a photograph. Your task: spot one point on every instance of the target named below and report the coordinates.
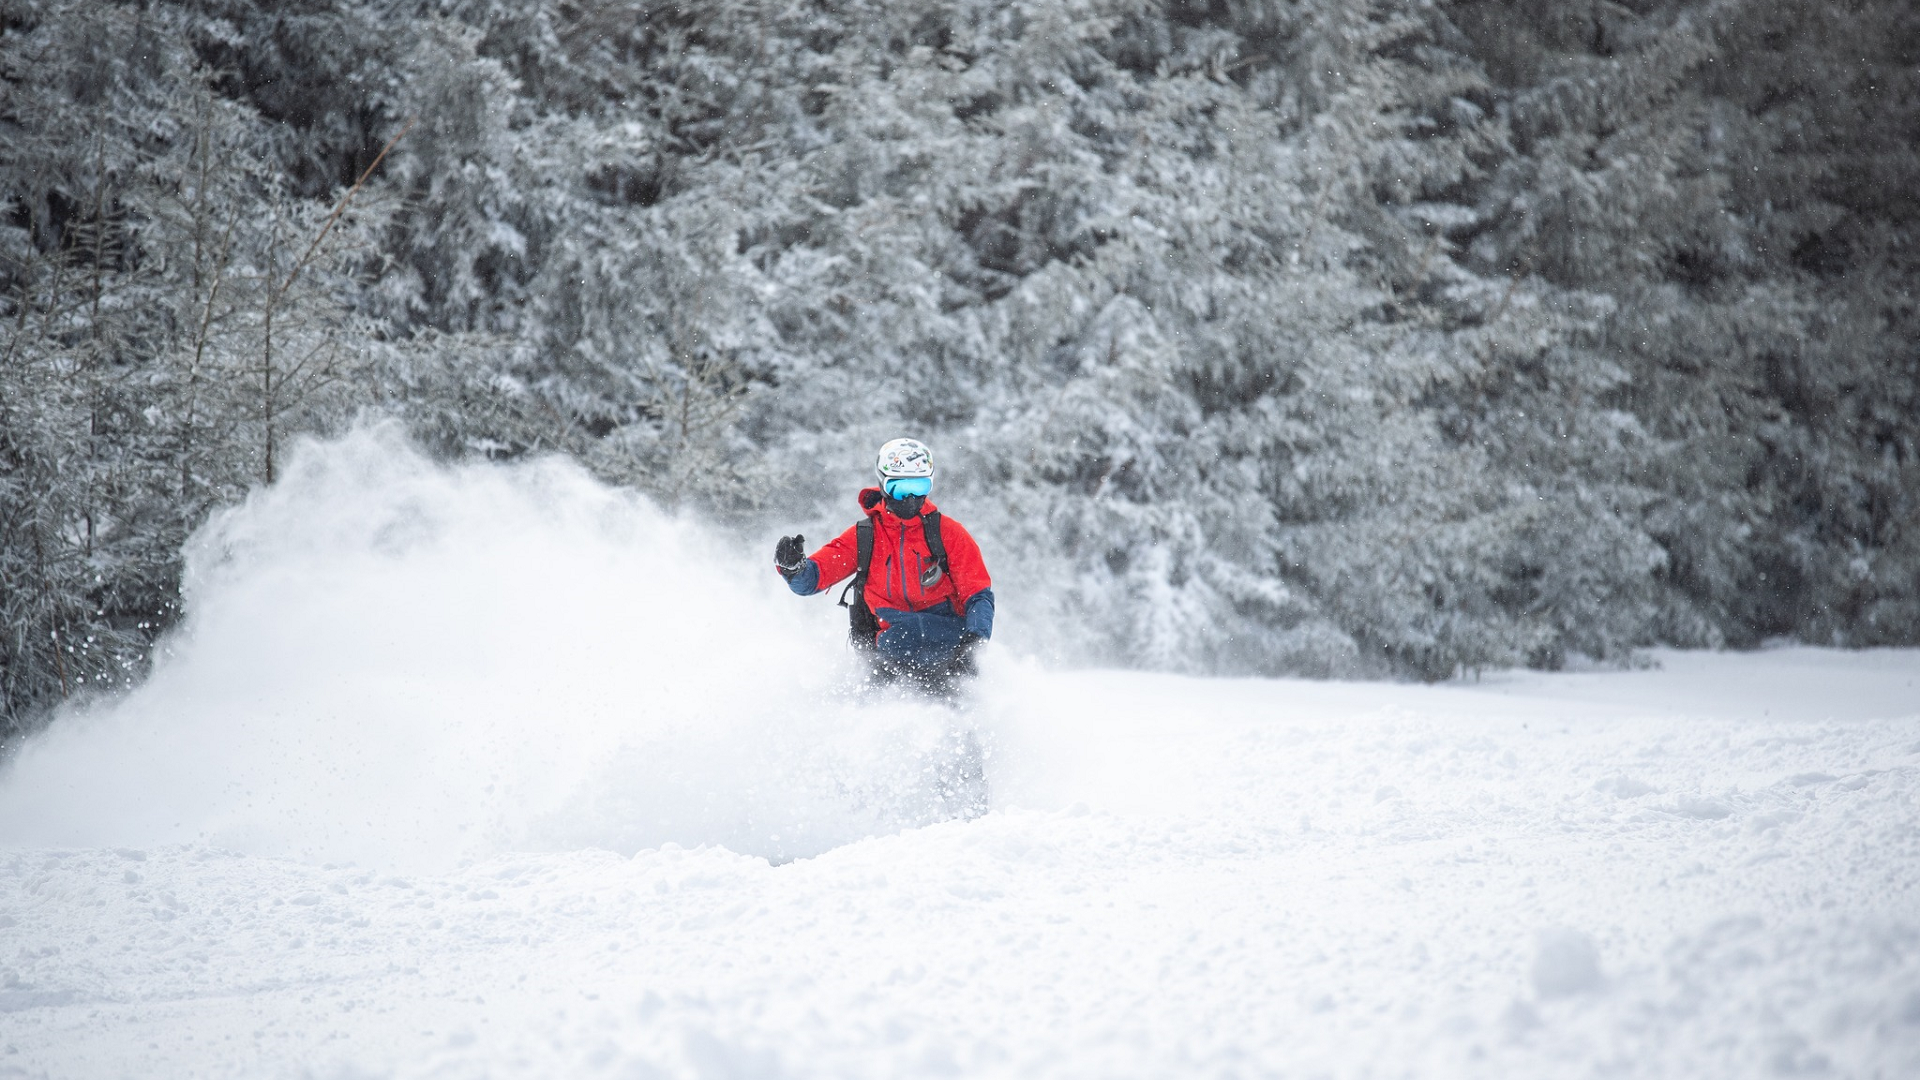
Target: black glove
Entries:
(789, 553)
(969, 641)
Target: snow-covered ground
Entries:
(428, 787)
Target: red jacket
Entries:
(901, 556)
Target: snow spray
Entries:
(385, 660)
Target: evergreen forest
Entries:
(1326, 337)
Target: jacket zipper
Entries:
(905, 600)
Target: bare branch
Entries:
(344, 200)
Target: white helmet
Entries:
(903, 458)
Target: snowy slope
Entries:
(358, 826)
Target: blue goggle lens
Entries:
(908, 486)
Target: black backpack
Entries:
(862, 625)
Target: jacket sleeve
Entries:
(969, 570)
(980, 613)
(835, 562)
(804, 581)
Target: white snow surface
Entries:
(494, 772)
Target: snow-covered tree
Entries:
(1255, 336)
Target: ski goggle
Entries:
(906, 487)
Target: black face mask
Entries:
(907, 508)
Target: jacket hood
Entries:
(873, 502)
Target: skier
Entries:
(922, 600)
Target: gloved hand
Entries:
(969, 641)
(789, 553)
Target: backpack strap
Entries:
(862, 562)
(861, 623)
(930, 525)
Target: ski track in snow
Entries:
(1707, 870)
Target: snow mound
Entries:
(390, 661)
(1565, 962)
